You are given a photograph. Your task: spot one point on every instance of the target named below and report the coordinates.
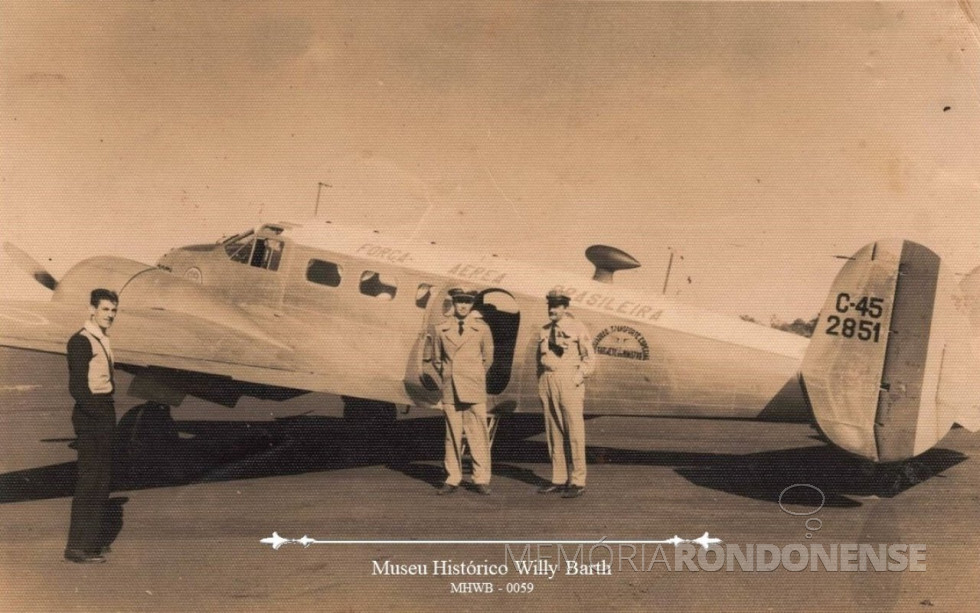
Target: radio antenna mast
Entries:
(319, 186)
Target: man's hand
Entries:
(577, 378)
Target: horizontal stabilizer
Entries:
(890, 367)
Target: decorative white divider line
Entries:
(277, 541)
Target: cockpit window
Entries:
(239, 252)
(239, 248)
(258, 252)
(237, 238)
(267, 254)
(272, 229)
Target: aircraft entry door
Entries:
(501, 313)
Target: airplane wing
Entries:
(153, 337)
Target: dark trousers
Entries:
(95, 423)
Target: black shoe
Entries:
(80, 557)
(482, 489)
(573, 491)
(105, 549)
(446, 489)
(551, 488)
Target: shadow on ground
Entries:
(214, 451)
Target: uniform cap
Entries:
(458, 294)
(557, 298)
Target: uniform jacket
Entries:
(574, 343)
(464, 359)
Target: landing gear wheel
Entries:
(372, 413)
(146, 431)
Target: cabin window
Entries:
(267, 253)
(323, 273)
(376, 286)
(422, 295)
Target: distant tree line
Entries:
(797, 326)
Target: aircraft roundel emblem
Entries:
(193, 274)
(622, 342)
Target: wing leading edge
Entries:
(151, 337)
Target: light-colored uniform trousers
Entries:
(473, 423)
(563, 403)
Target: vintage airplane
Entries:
(284, 309)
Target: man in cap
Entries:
(463, 355)
(565, 359)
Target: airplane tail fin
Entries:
(891, 367)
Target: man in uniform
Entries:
(565, 359)
(91, 384)
(463, 355)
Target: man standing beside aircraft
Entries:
(565, 359)
(91, 384)
(463, 355)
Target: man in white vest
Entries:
(91, 384)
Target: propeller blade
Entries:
(29, 265)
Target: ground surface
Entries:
(188, 521)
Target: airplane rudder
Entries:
(883, 372)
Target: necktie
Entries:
(553, 342)
(461, 327)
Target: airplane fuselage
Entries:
(288, 309)
(358, 307)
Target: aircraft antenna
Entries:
(670, 263)
(418, 225)
(504, 196)
(319, 186)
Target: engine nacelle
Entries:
(107, 272)
(141, 286)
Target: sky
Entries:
(754, 140)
